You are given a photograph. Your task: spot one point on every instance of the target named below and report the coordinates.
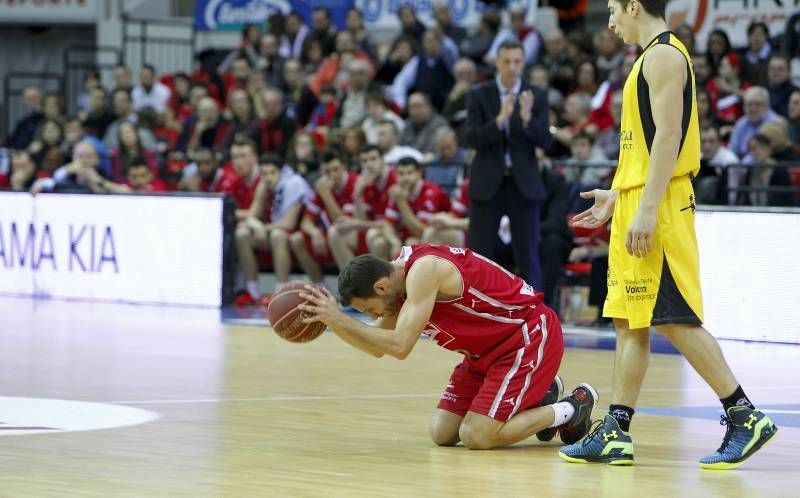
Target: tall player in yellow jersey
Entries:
(653, 277)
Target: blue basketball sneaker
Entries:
(748, 431)
(550, 397)
(606, 444)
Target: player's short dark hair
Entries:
(243, 140)
(149, 67)
(758, 25)
(328, 89)
(324, 10)
(709, 127)
(409, 161)
(271, 158)
(126, 91)
(358, 277)
(242, 57)
(761, 139)
(369, 148)
(330, 155)
(376, 96)
(389, 122)
(656, 8)
(582, 135)
(510, 45)
(138, 162)
(204, 151)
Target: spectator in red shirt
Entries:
(576, 111)
(276, 129)
(140, 179)
(333, 199)
(413, 201)
(726, 89)
(335, 69)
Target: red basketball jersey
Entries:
(224, 182)
(376, 196)
(493, 312)
(460, 205)
(430, 199)
(315, 208)
(247, 190)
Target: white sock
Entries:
(278, 287)
(253, 288)
(563, 413)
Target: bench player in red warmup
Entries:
(506, 388)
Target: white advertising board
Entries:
(750, 274)
(142, 249)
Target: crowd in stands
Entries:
(333, 145)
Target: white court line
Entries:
(384, 396)
(271, 398)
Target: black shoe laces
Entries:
(596, 427)
(728, 432)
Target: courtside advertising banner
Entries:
(750, 274)
(128, 248)
(49, 11)
(732, 16)
(382, 14)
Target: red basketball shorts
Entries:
(322, 259)
(514, 381)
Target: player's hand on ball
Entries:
(320, 305)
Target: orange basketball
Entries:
(287, 319)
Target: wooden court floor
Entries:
(242, 413)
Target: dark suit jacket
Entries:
(482, 134)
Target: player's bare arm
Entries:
(332, 207)
(423, 285)
(259, 198)
(665, 73)
(289, 220)
(410, 220)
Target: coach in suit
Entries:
(506, 120)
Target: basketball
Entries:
(287, 319)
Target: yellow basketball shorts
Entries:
(664, 286)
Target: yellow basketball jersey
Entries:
(638, 129)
